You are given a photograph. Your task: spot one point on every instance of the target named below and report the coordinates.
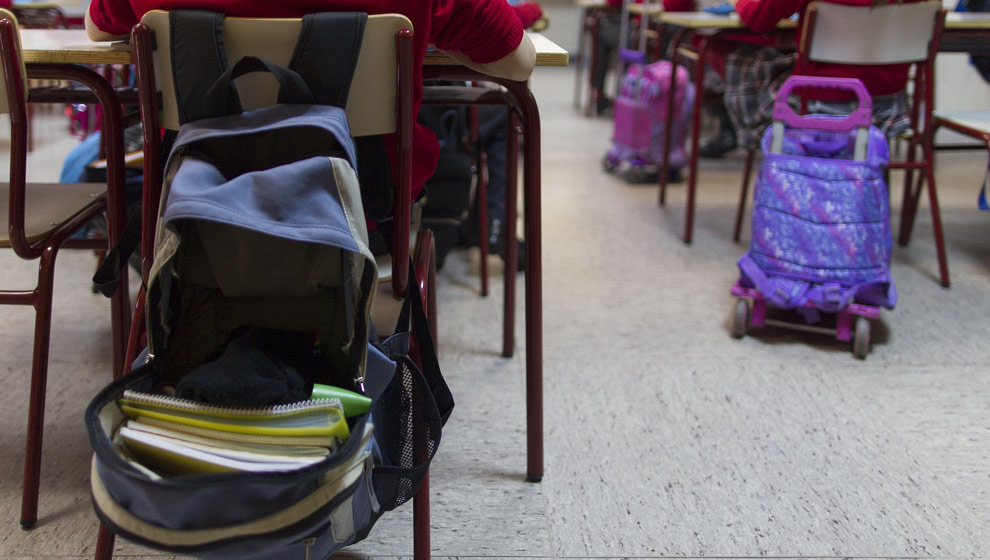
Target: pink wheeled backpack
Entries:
(640, 115)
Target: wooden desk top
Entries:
(650, 8)
(959, 21)
(31, 5)
(72, 46)
(591, 4)
(963, 21)
(705, 20)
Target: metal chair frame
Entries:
(31, 240)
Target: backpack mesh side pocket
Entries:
(407, 425)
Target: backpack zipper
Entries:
(309, 544)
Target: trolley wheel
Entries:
(861, 340)
(636, 174)
(740, 318)
(609, 163)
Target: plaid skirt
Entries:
(754, 74)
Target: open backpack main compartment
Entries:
(262, 226)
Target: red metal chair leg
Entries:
(743, 194)
(912, 194)
(511, 246)
(425, 263)
(120, 323)
(421, 520)
(135, 339)
(30, 127)
(39, 381)
(483, 219)
(104, 544)
(909, 209)
(943, 263)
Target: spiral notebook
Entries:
(174, 436)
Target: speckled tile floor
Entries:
(664, 436)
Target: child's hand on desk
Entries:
(517, 65)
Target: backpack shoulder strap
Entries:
(329, 79)
(329, 75)
(198, 58)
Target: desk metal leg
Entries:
(668, 134)
(579, 55)
(692, 178)
(530, 118)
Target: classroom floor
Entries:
(664, 436)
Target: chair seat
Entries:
(384, 263)
(49, 205)
(385, 311)
(978, 121)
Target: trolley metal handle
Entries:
(860, 119)
(862, 116)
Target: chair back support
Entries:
(887, 34)
(372, 87)
(11, 52)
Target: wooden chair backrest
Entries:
(865, 35)
(373, 87)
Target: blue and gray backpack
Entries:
(262, 229)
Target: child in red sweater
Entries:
(754, 73)
(483, 34)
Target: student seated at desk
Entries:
(485, 35)
(979, 61)
(753, 74)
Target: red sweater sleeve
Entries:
(115, 17)
(528, 12)
(485, 30)
(678, 5)
(762, 15)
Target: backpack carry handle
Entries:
(860, 119)
(862, 116)
(222, 99)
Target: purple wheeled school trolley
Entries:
(821, 226)
(640, 113)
